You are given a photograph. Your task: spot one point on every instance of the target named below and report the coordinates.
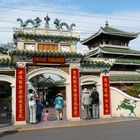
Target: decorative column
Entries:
(106, 105)
(13, 103)
(68, 100)
(20, 94)
(75, 93)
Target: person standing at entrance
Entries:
(32, 106)
(95, 103)
(59, 104)
(39, 110)
(86, 102)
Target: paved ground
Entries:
(7, 128)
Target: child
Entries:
(45, 116)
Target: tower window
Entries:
(107, 42)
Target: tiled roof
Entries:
(120, 50)
(125, 77)
(110, 31)
(118, 32)
(113, 50)
(128, 61)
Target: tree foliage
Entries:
(133, 90)
(4, 47)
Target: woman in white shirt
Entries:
(32, 106)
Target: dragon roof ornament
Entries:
(59, 24)
(36, 22)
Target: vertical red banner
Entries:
(75, 92)
(20, 94)
(106, 94)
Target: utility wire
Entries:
(66, 13)
(55, 7)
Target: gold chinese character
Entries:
(20, 77)
(106, 100)
(20, 116)
(20, 72)
(75, 113)
(105, 94)
(106, 111)
(20, 82)
(105, 89)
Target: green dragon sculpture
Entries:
(125, 104)
(59, 25)
(36, 22)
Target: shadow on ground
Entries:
(8, 133)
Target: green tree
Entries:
(4, 47)
(133, 90)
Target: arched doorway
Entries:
(10, 80)
(89, 81)
(61, 74)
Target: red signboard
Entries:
(75, 92)
(106, 95)
(48, 59)
(20, 93)
(48, 47)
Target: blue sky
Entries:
(88, 15)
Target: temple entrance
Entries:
(47, 86)
(5, 102)
(7, 99)
(48, 82)
(88, 82)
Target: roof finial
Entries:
(106, 23)
(47, 19)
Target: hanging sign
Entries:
(75, 92)
(48, 47)
(48, 59)
(20, 93)
(106, 95)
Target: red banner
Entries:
(48, 59)
(20, 94)
(75, 92)
(106, 95)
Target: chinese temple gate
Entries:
(53, 51)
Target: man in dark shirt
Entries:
(95, 103)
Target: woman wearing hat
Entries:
(59, 104)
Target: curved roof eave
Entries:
(90, 53)
(101, 30)
(119, 53)
(127, 63)
(115, 82)
(91, 37)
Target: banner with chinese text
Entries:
(20, 93)
(75, 92)
(106, 95)
(48, 59)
